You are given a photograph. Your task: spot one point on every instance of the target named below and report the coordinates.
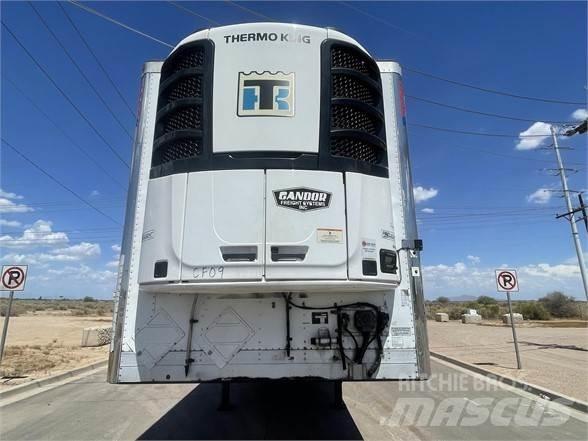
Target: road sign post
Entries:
(5, 328)
(13, 279)
(507, 281)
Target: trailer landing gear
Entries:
(338, 402)
(225, 403)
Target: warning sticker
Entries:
(333, 235)
(320, 318)
(400, 331)
(368, 249)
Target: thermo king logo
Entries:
(266, 94)
(302, 199)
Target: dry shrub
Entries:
(20, 360)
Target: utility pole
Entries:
(572, 217)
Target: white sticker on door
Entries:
(368, 249)
(329, 235)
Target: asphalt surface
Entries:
(453, 405)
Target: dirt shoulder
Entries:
(553, 357)
(40, 345)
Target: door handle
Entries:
(239, 253)
(288, 253)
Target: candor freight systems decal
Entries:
(303, 199)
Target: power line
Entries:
(465, 132)
(477, 112)
(505, 155)
(87, 45)
(84, 117)
(14, 243)
(480, 226)
(118, 23)
(54, 179)
(72, 231)
(495, 208)
(251, 11)
(384, 22)
(436, 77)
(496, 92)
(61, 203)
(64, 133)
(191, 12)
(412, 70)
(480, 217)
(79, 69)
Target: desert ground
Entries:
(555, 357)
(44, 340)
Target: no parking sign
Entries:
(13, 277)
(507, 280)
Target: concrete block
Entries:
(96, 336)
(471, 318)
(517, 318)
(441, 317)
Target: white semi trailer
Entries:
(270, 227)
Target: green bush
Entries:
(487, 300)
(560, 305)
(490, 311)
(443, 300)
(89, 299)
(471, 305)
(532, 310)
(455, 312)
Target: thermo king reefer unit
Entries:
(270, 226)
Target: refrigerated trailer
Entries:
(270, 227)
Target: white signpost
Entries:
(507, 281)
(13, 279)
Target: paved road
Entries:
(453, 405)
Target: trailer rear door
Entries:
(305, 225)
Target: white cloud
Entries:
(72, 253)
(535, 279)
(94, 193)
(9, 206)
(115, 248)
(44, 257)
(39, 234)
(422, 194)
(112, 264)
(474, 259)
(18, 259)
(428, 210)
(9, 195)
(574, 259)
(534, 139)
(84, 273)
(580, 114)
(540, 196)
(81, 250)
(7, 223)
(546, 270)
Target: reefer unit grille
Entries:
(183, 109)
(352, 130)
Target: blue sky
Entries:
(481, 195)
